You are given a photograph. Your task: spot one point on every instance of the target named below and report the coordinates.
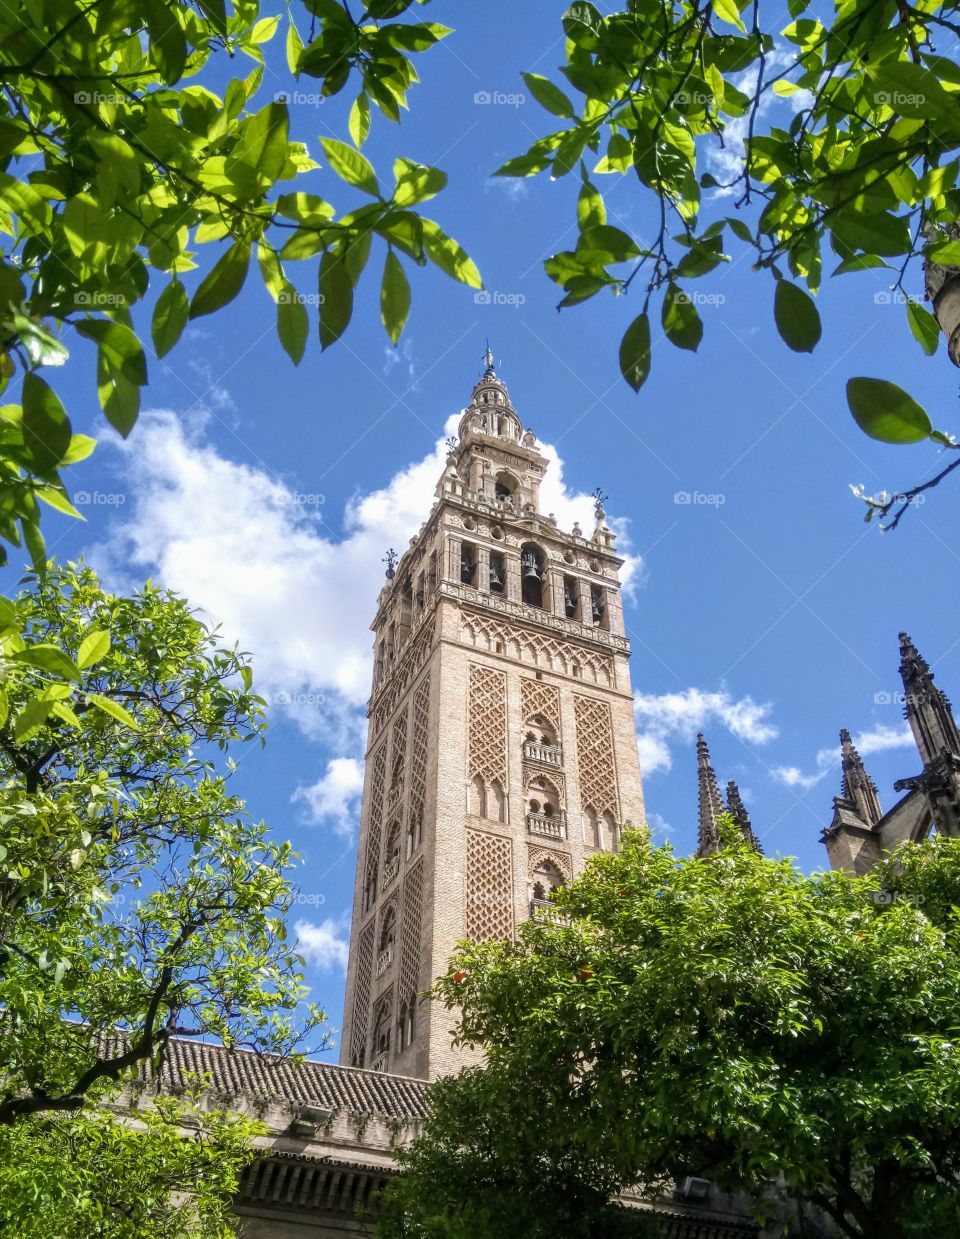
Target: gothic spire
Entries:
(711, 806)
(737, 809)
(926, 708)
(858, 789)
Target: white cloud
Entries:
(402, 357)
(877, 740)
(326, 945)
(335, 798)
(660, 829)
(679, 716)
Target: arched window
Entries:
(388, 928)
(591, 827)
(532, 573)
(468, 563)
(370, 886)
(505, 486)
(392, 856)
(381, 1028)
(498, 573)
(545, 879)
(610, 834)
(406, 1022)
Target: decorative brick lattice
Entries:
(487, 751)
(361, 993)
(489, 904)
(410, 933)
(541, 699)
(418, 750)
(486, 633)
(375, 821)
(399, 749)
(595, 762)
(402, 674)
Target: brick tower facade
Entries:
(501, 749)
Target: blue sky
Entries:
(763, 611)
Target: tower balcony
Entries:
(380, 1062)
(548, 754)
(384, 960)
(552, 825)
(546, 910)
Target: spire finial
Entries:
(738, 812)
(710, 804)
(599, 499)
(390, 559)
(489, 371)
(858, 789)
(927, 709)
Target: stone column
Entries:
(483, 568)
(512, 565)
(453, 566)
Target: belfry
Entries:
(501, 749)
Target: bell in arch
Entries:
(496, 575)
(530, 566)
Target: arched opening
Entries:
(610, 840)
(406, 1022)
(392, 860)
(544, 880)
(498, 573)
(477, 797)
(571, 597)
(497, 803)
(598, 607)
(381, 1028)
(591, 827)
(505, 487)
(388, 928)
(468, 564)
(532, 572)
(370, 886)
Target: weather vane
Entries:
(452, 445)
(599, 499)
(488, 357)
(390, 559)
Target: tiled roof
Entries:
(271, 1076)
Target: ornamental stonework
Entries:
(487, 743)
(499, 637)
(375, 822)
(595, 761)
(410, 948)
(361, 994)
(539, 856)
(399, 750)
(540, 699)
(418, 753)
(489, 896)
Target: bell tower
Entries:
(501, 749)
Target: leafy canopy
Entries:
(727, 1017)
(120, 168)
(847, 127)
(135, 893)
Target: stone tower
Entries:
(501, 749)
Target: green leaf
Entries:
(120, 348)
(728, 11)
(925, 328)
(635, 352)
(224, 282)
(48, 658)
(549, 96)
(261, 146)
(113, 708)
(394, 297)
(797, 318)
(681, 322)
(351, 166)
(93, 647)
(449, 255)
(170, 316)
(359, 120)
(46, 427)
(336, 298)
(946, 253)
(30, 719)
(884, 411)
(882, 233)
(119, 398)
(416, 182)
(294, 46)
(591, 212)
(293, 324)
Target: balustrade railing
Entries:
(553, 825)
(550, 754)
(384, 960)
